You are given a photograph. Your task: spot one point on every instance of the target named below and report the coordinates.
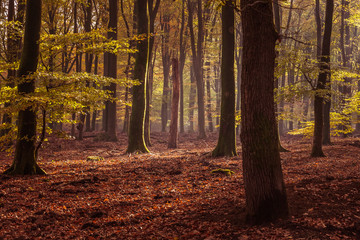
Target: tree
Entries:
(197, 53)
(110, 70)
(226, 145)
(323, 77)
(25, 160)
(174, 105)
(264, 186)
(136, 142)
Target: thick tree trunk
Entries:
(136, 142)
(174, 105)
(110, 70)
(25, 161)
(324, 75)
(264, 186)
(226, 145)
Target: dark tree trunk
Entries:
(136, 142)
(25, 160)
(264, 186)
(324, 75)
(110, 70)
(197, 52)
(226, 145)
(174, 105)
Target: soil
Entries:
(173, 193)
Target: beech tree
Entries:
(110, 70)
(324, 74)
(25, 160)
(136, 142)
(226, 143)
(264, 186)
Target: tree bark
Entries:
(226, 145)
(174, 105)
(136, 142)
(323, 77)
(197, 52)
(192, 99)
(110, 70)
(264, 186)
(25, 160)
(182, 60)
(166, 62)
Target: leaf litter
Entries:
(174, 194)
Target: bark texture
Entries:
(110, 70)
(25, 161)
(264, 186)
(136, 142)
(321, 83)
(226, 145)
(174, 105)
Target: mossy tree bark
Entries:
(264, 186)
(136, 142)
(110, 70)
(226, 145)
(25, 161)
(324, 75)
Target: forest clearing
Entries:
(173, 193)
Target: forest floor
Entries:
(173, 194)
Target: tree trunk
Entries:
(208, 92)
(264, 186)
(25, 160)
(136, 142)
(226, 145)
(197, 52)
(166, 62)
(110, 70)
(324, 75)
(153, 10)
(192, 99)
(174, 105)
(182, 60)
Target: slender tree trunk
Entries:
(197, 52)
(192, 99)
(127, 71)
(153, 10)
(226, 145)
(111, 71)
(321, 84)
(208, 92)
(174, 105)
(136, 142)
(264, 186)
(182, 60)
(25, 160)
(166, 62)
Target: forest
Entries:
(179, 119)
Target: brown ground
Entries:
(172, 194)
